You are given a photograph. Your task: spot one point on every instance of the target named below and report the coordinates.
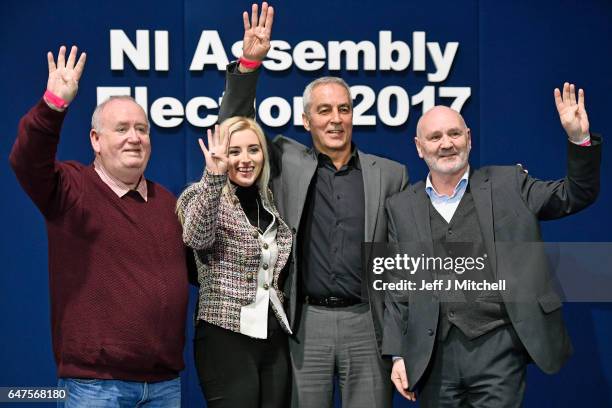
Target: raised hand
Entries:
(64, 76)
(216, 154)
(572, 113)
(257, 31)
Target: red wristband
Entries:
(249, 63)
(586, 143)
(55, 100)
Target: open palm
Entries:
(216, 153)
(572, 112)
(257, 31)
(64, 75)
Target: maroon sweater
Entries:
(117, 269)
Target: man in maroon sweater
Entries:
(117, 265)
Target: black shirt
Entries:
(332, 230)
(250, 201)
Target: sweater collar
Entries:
(118, 186)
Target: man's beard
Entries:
(434, 166)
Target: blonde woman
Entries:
(241, 247)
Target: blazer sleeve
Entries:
(198, 208)
(396, 311)
(239, 100)
(580, 187)
(239, 95)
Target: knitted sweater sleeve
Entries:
(52, 185)
(198, 207)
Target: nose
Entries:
(244, 157)
(336, 116)
(446, 142)
(133, 136)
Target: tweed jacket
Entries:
(227, 250)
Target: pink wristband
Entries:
(586, 143)
(55, 100)
(248, 63)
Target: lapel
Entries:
(371, 187)
(307, 169)
(481, 192)
(421, 216)
(421, 212)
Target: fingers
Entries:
(203, 147)
(398, 386)
(403, 391)
(225, 138)
(568, 96)
(245, 21)
(216, 138)
(210, 138)
(51, 62)
(566, 93)
(61, 57)
(254, 9)
(269, 20)
(572, 100)
(78, 69)
(265, 19)
(404, 380)
(71, 57)
(558, 100)
(264, 12)
(581, 100)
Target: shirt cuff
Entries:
(586, 141)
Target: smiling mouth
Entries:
(245, 170)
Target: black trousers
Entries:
(486, 372)
(237, 371)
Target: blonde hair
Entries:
(239, 123)
(229, 127)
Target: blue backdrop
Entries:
(507, 56)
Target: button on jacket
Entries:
(231, 257)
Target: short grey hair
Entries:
(419, 126)
(307, 95)
(95, 117)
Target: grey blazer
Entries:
(509, 205)
(293, 167)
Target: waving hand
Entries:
(216, 154)
(257, 31)
(64, 75)
(572, 113)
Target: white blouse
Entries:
(254, 316)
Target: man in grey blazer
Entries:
(332, 196)
(475, 353)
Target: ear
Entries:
(305, 121)
(94, 137)
(417, 143)
(469, 138)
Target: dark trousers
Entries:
(240, 371)
(488, 371)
